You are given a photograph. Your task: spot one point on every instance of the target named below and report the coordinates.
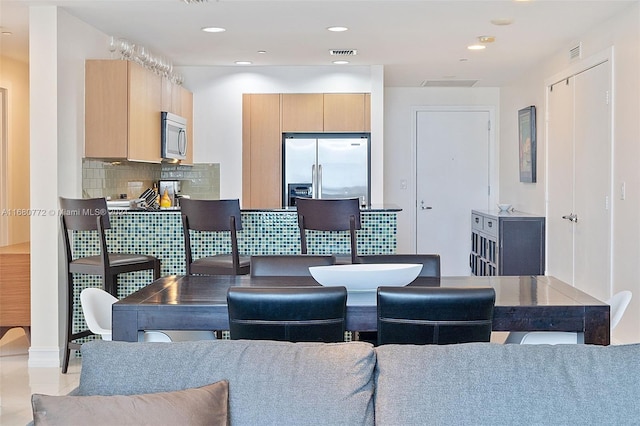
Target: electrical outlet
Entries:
(403, 184)
(623, 190)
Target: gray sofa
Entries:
(280, 383)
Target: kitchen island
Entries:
(265, 231)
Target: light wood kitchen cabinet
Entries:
(329, 112)
(186, 98)
(344, 112)
(367, 112)
(302, 112)
(171, 101)
(178, 100)
(261, 147)
(122, 111)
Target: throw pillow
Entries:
(206, 405)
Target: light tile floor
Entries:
(18, 381)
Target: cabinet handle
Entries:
(477, 220)
(490, 224)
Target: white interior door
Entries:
(452, 178)
(593, 182)
(560, 178)
(579, 181)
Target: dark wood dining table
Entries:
(523, 303)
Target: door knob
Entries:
(423, 207)
(572, 217)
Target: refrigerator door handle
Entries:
(319, 181)
(313, 181)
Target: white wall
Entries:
(399, 160)
(623, 34)
(217, 105)
(14, 77)
(59, 44)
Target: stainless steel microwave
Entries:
(174, 136)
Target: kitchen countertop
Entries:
(372, 208)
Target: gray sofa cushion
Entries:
(490, 384)
(269, 382)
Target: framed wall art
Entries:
(527, 143)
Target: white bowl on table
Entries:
(366, 277)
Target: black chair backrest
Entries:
(328, 214)
(434, 315)
(211, 215)
(81, 214)
(430, 262)
(290, 265)
(85, 214)
(295, 314)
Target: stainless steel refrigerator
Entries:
(326, 165)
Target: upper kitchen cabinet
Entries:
(186, 98)
(178, 100)
(346, 112)
(302, 112)
(329, 112)
(122, 111)
(261, 151)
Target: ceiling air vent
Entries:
(448, 83)
(343, 52)
(575, 52)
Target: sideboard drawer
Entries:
(476, 222)
(490, 226)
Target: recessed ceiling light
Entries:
(243, 62)
(486, 39)
(476, 47)
(340, 62)
(213, 30)
(337, 29)
(262, 52)
(7, 33)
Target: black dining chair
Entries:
(295, 314)
(430, 269)
(213, 216)
(288, 265)
(329, 215)
(91, 214)
(434, 315)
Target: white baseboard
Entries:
(47, 356)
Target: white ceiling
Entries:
(415, 40)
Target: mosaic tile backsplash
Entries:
(111, 179)
(264, 232)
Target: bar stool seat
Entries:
(115, 260)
